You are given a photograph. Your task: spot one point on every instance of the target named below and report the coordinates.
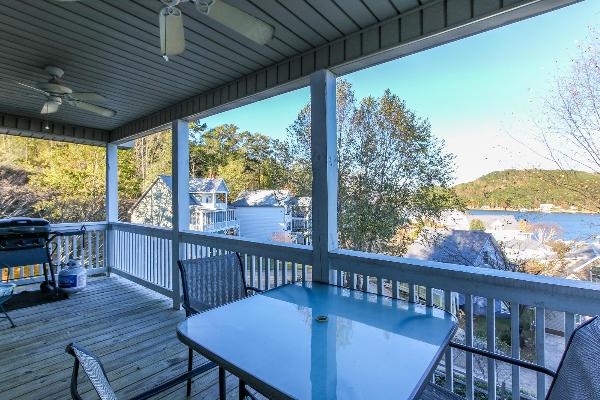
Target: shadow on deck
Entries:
(130, 328)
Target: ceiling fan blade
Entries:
(34, 88)
(240, 21)
(49, 107)
(106, 112)
(87, 96)
(172, 38)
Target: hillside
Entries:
(516, 189)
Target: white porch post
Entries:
(324, 171)
(112, 204)
(180, 199)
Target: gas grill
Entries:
(27, 241)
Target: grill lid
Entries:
(23, 225)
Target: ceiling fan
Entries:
(56, 94)
(170, 21)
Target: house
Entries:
(264, 214)
(526, 249)
(546, 207)
(301, 219)
(503, 227)
(208, 205)
(465, 247)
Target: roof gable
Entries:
(200, 185)
(262, 198)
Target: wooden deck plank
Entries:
(130, 328)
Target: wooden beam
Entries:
(180, 199)
(324, 171)
(425, 26)
(17, 125)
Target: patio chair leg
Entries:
(12, 324)
(190, 365)
(222, 388)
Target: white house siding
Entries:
(155, 207)
(260, 223)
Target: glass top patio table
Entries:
(368, 347)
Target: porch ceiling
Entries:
(112, 47)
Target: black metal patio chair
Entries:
(94, 370)
(211, 282)
(6, 291)
(577, 376)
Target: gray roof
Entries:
(200, 185)
(454, 246)
(508, 220)
(262, 198)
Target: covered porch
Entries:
(128, 317)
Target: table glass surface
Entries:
(370, 347)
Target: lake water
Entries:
(574, 226)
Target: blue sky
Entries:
(479, 93)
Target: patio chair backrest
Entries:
(578, 374)
(212, 282)
(93, 369)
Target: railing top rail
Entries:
(140, 229)
(535, 290)
(281, 251)
(95, 226)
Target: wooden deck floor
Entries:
(130, 328)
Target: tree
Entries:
(571, 128)
(476, 225)
(392, 173)
(16, 197)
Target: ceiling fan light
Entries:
(172, 39)
(240, 21)
(50, 107)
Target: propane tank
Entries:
(73, 278)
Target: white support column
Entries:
(180, 199)
(112, 205)
(324, 171)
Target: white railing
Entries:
(90, 249)
(143, 254)
(530, 299)
(266, 265)
(213, 221)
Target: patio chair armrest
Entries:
(253, 289)
(174, 382)
(507, 359)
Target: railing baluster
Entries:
(304, 273)
(294, 272)
(268, 274)
(411, 293)
(429, 297)
(469, 391)
(379, 285)
(448, 357)
(515, 347)
(97, 252)
(491, 346)
(253, 271)
(569, 326)
(276, 273)
(540, 334)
